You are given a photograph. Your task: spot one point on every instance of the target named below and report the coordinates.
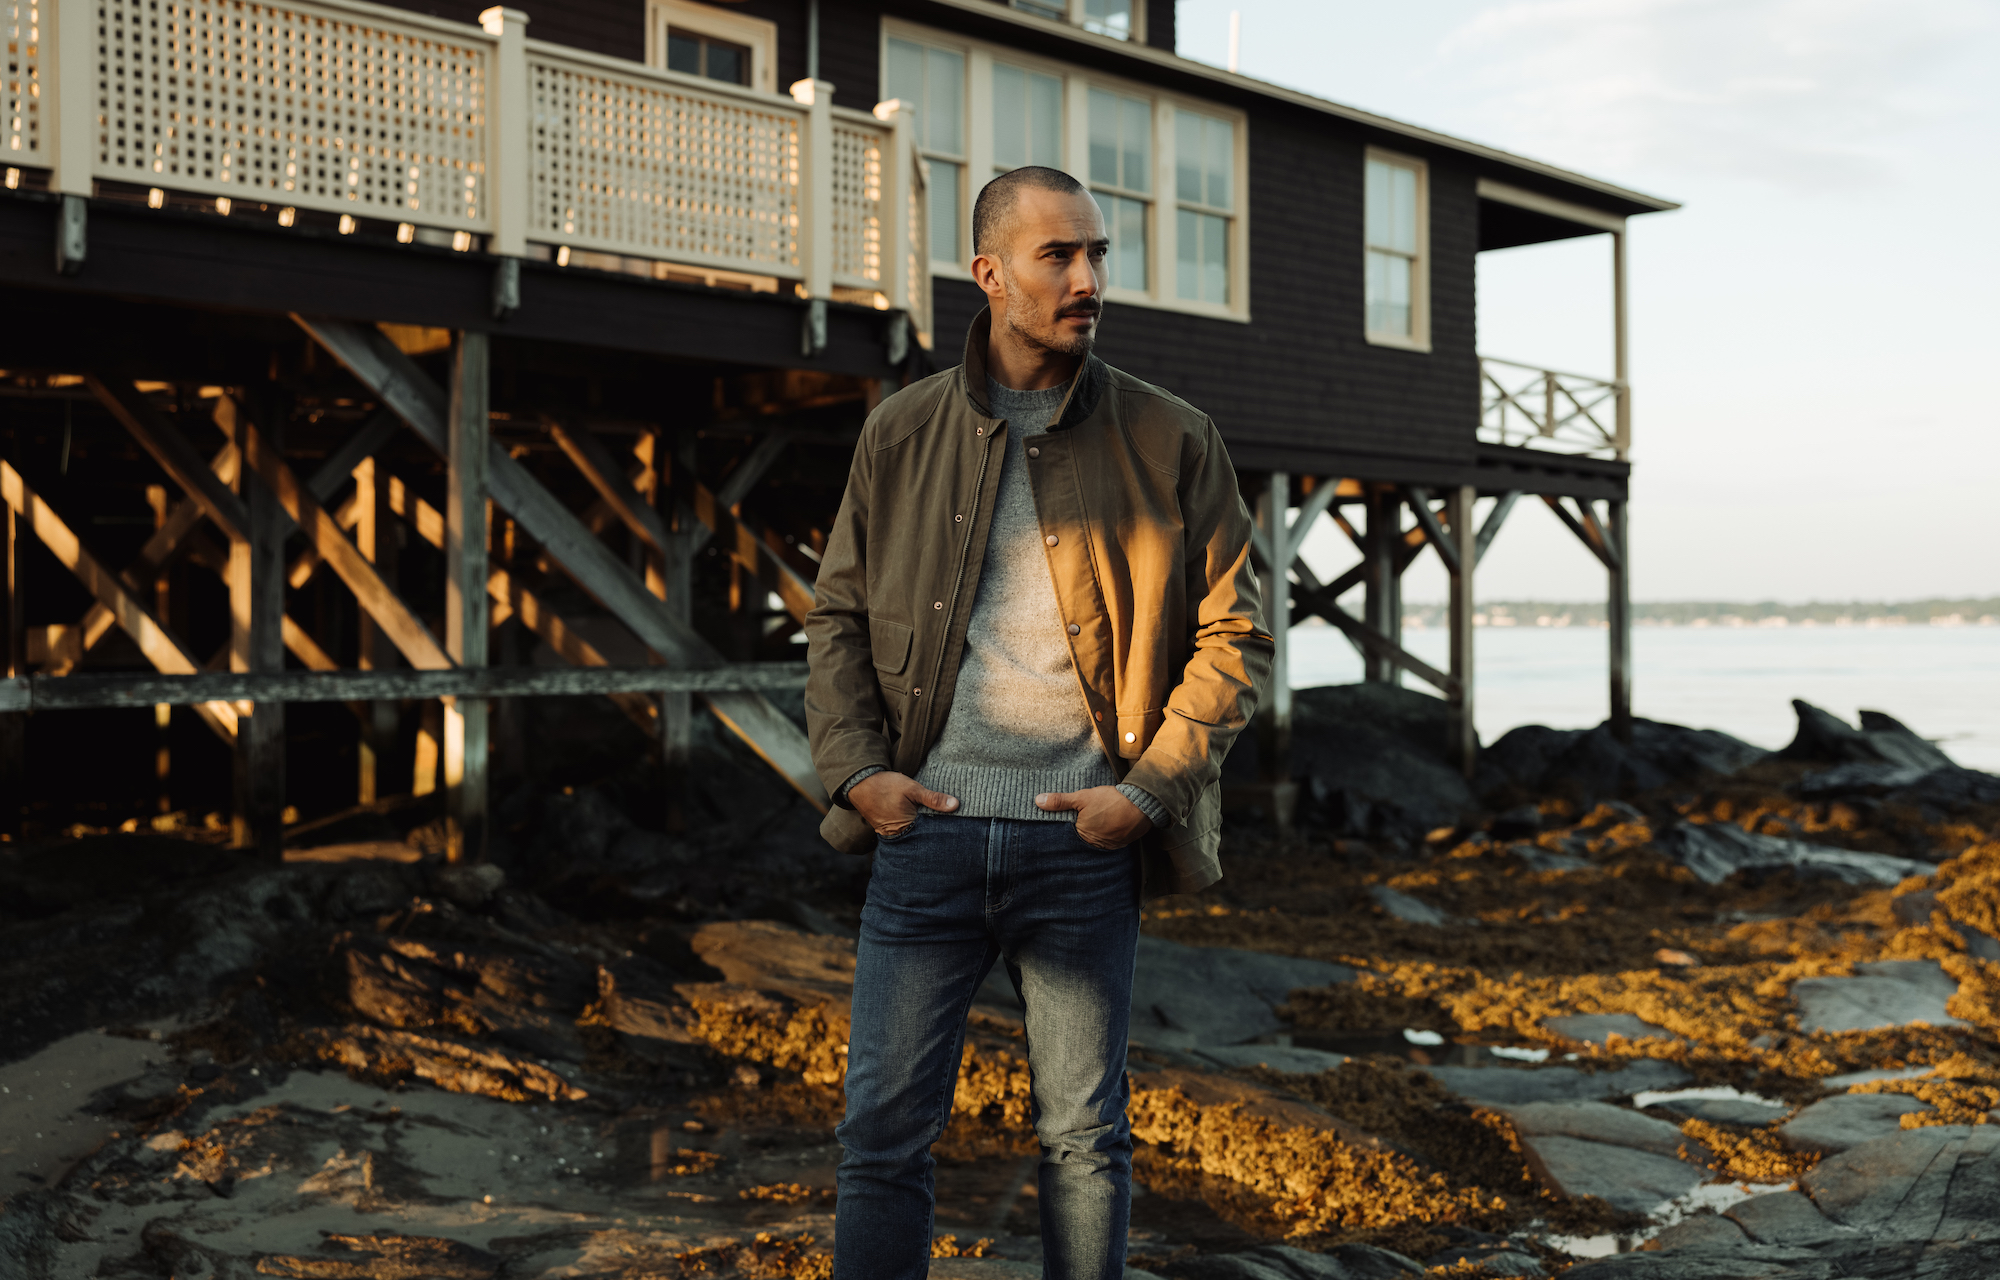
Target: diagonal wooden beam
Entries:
(1494, 519)
(517, 601)
(329, 475)
(1584, 534)
(401, 626)
(1382, 646)
(1420, 507)
(587, 452)
(154, 641)
(1310, 511)
(763, 728)
(171, 450)
(1600, 542)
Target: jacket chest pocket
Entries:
(889, 644)
(1136, 730)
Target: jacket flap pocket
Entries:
(889, 642)
(1136, 730)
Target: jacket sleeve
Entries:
(844, 718)
(1232, 648)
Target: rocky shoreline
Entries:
(1677, 1008)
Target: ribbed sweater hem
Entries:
(986, 792)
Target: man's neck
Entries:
(1018, 366)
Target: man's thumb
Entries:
(937, 801)
(1056, 802)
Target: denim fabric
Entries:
(944, 902)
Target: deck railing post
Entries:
(466, 607)
(816, 186)
(509, 152)
(72, 111)
(895, 204)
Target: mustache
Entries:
(1088, 307)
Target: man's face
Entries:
(1047, 286)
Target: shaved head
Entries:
(993, 211)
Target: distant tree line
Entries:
(1725, 613)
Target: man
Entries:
(1036, 635)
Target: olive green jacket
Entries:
(1148, 543)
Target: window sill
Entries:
(1401, 342)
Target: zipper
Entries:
(958, 582)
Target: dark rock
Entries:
(1685, 754)
(385, 1254)
(1520, 758)
(1636, 1181)
(1598, 1028)
(1918, 908)
(1866, 777)
(1282, 1262)
(1885, 993)
(1187, 996)
(1277, 1057)
(1725, 1110)
(1784, 1217)
(1539, 859)
(1947, 791)
(1711, 1262)
(1508, 1086)
(1519, 823)
(1940, 1183)
(1596, 1122)
(1825, 738)
(1714, 851)
(1702, 1229)
(467, 884)
(1403, 907)
(1590, 765)
(1848, 1120)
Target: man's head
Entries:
(1039, 242)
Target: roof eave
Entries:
(1049, 28)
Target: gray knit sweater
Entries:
(1018, 725)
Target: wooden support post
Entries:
(375, 536)
(13, 724)
(677, 594)
(1463, 748)
(1274, 716)
(257, 643)
(465, 607)
(1382, 607)
(1618, 612)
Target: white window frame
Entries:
(759, 35)
(1162, 248)
(1419, 336)
(1076, 10)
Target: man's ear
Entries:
(986, 274)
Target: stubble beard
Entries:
(1051, 336)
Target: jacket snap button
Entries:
(979, 431)
(917, 692)
(937, 604)
(1052, 539)
(1034, 453)
(957, 519)
(1131, 737)
(1075, 630)
(1097, 715)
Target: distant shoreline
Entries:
(1724, 614)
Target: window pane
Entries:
(944, 104)
(1214, 259)
(1125, 220)
(1405, 203)
(1108, 18)
(1187, 157)
(1219, 161)
(1187, 254)
(944, 193)
(1378, 199)
(683, 53)
(1010, 117)
(1136, 142)
(1389, 294)
(1045, 95)
(1104, 137)
(1044, 8)
(727, 62)
(906, 74)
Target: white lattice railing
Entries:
(352, 108)
(1521, 404)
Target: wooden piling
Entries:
(466, 611)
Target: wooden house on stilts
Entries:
(367, 369)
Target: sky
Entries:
(1814, 333)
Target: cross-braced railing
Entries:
(1520, 404)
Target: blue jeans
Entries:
(944, 902)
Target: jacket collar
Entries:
(1085, 389)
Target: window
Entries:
(1121, 145)
(1027, 118)
(1204, 173)
(934, 80)
(1397, 240)
(1113, 18)
(715, 44)
(697, 55)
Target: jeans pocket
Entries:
(904, 834)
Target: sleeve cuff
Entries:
(859, 774)
(1147, 805)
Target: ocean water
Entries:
(1943, 682)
